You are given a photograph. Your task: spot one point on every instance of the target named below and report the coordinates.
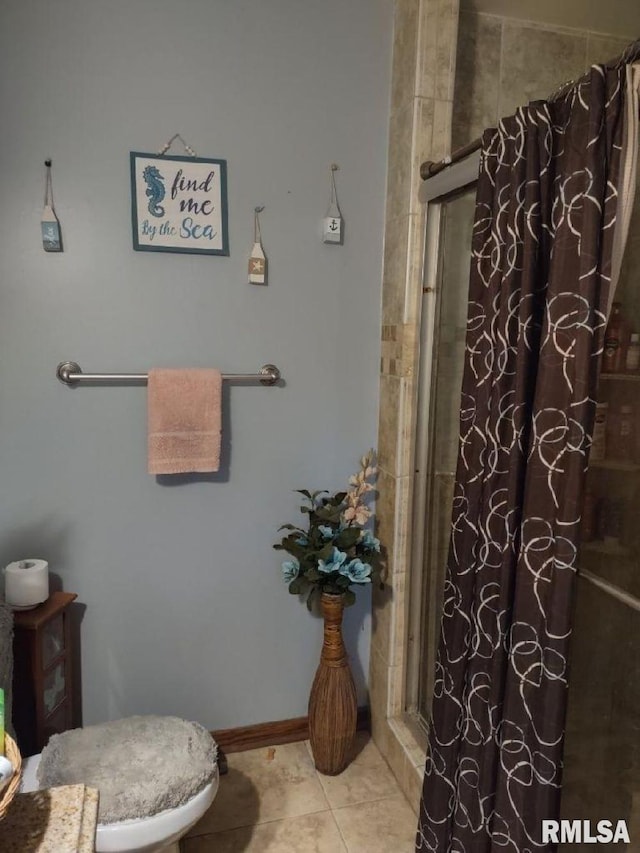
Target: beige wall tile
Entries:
(396, 756)
(411, 737)
(396, 248)
(385, 682)
(398, 622)
(407, 403)
(393, 510)
(413, 282)
(382, 605)
(475, 103)
(442, 114)
(405, 46)
(602, 48)
(388, 423)
(446, 7)
(380, 731)
(425, 70)
(536, 62)
(395, 697)
(447, 34)
(423, 124)
(622, 18)
(388, 623)
(402, 526)
(396, 423)
(400, 163)
(427, 62)
(378, 674)
(412, 787)
(385, 510)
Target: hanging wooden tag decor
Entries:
(258, 260)
(49, 225)
(332, 223)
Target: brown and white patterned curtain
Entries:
(547, 227)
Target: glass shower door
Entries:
(602, 750)
(443, 342)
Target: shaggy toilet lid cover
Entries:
(140, 765)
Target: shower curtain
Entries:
(548, 235)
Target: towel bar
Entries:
(70, 373)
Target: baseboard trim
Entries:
(275, 733)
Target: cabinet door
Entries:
(52, 640)
(56, 724)
(54, 688)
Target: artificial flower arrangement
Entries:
(336, 550)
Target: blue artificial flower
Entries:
(290, 570)
(333, 563)
(327, 532)
(370, 541)
(357, 571)
(302, 540)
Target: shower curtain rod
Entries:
(432, 167)
(70, 373)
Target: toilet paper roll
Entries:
(26, 583)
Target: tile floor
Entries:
(274, 801)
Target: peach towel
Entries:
(184, 420)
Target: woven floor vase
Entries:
(332, 703)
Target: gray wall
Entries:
(185, 609)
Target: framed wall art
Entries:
(179, 204)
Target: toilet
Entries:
(158, 832)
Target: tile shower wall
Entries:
(502, 64)
(185, 610)
(440, 78)
(420, 129)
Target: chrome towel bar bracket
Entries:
(70, 373)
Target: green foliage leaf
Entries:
(325, 552)
(338, 498)
(348, 537)
(349, 598)
(309, 546)
(290, 544)
(297, 585)
(310, 598)
(329, 513)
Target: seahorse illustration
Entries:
(155, 190)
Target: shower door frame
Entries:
(434, 193)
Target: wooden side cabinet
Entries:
(42, 672)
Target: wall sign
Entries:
(179, 204)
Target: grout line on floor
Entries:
(399, 795)
(263, 822)
(343, 839)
